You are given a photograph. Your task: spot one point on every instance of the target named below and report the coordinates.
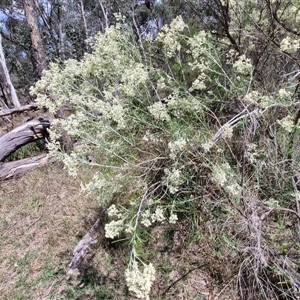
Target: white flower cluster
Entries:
(158, 215)
(71, 164)
(253, 97)
(180, 105)
(290, 45)
(252, 152)
(54, 145)
(231, 3)
(52, 93)
(283, 94)
(112, 211)
(118, 114)
(258, 99)
(161, 84)
(115, 227)
(243, 65)
(173, 179)
(272, 203)
(224, 176)
(207, 146)
(146, 218)
(149, 218)
(220, 174)
(231, 56)
(140, 282)
(109, 110)
(159, 111)
(227, 131)
(176, 147)
(199, 83)
(150, 137)
(287, 123)
(169, 36)
(96, 184)
(132, 77)
(72, 124)
(197, 44)
(173, 218)
(199, 50)
(43, 101)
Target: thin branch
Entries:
(182, 277)
(8, 112)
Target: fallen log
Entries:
(18, 168)
(8, 112)
(22, 135)
(83, 248)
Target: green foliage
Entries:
(181, 132)
(27, 151)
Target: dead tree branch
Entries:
(22, 135)
(83, 248)
(8, 112)
(17, 168)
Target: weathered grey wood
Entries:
(7, 112)
(83, 248)
(6, 78)
(22, 135)
(17, 168)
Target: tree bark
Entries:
(37, 43)
(8, 88)
(84, 19)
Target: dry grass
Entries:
(42, 217)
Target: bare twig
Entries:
(182, 277)
(233, 122)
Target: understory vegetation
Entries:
(190, 130)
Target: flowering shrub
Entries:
(192, 129)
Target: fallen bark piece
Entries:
(83, 248)
(22, 135)
(8, 112)
(20, 167)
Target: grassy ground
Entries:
(43, 216)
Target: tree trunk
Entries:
(60, 33)
(83, 18)
(37, 43)
(105, 14)
(9, 91)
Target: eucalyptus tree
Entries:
(36, 39)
